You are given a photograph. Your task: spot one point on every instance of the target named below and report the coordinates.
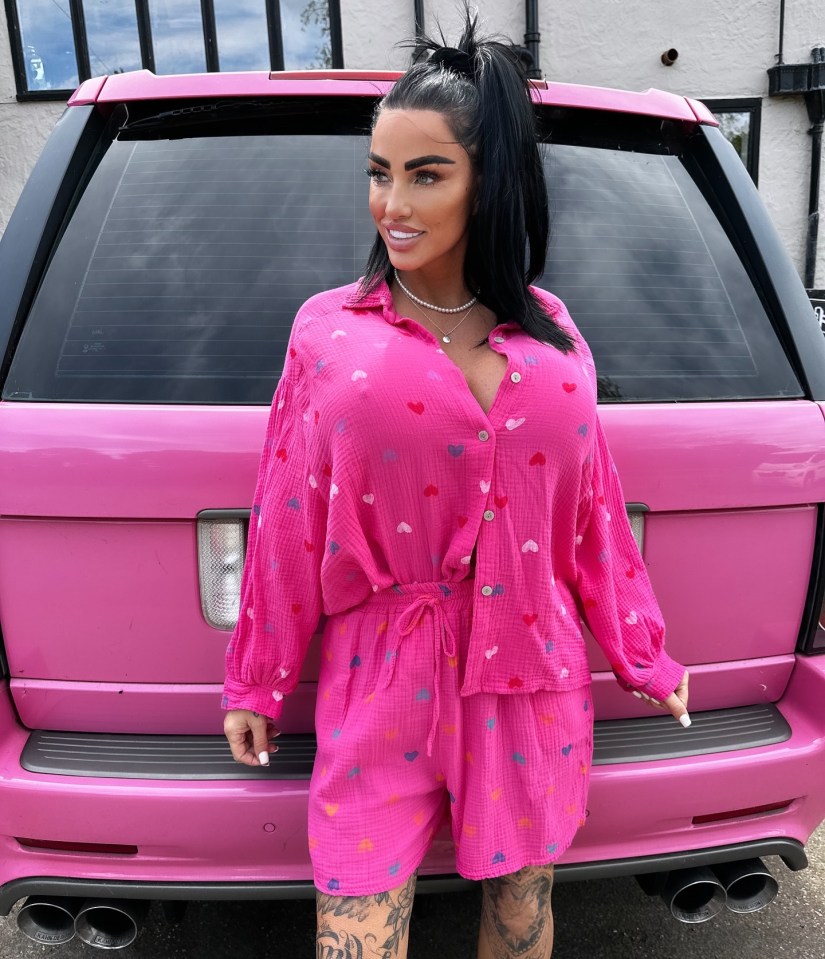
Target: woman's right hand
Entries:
(249, 734)
(676, 702)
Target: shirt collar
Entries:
(380, 296)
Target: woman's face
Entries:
(422, 190)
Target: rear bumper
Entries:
(250, 834)
(791, 852)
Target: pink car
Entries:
(150, 275)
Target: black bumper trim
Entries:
(135, 756)
(791, 852)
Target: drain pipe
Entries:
(807, 79)
(419, 18)
(532, 37)
(815, 102)
(418, 14)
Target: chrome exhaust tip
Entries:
(48, 920)
(693, 895)
(749, 885)
(110, 923)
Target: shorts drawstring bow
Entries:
(444, 638)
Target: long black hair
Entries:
(482, 91)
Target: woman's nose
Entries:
(398, 204)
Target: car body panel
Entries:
(170, 462)
(205, 831)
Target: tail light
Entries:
(221, 554)
(636, 516)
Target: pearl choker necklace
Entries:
(432, 306)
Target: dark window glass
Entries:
(48, 45)
(187, 260)
(651, 279)
(180, 272)
(111, 30)
(177, 33)
(243, 40)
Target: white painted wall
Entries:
(724, 49)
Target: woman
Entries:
(435, 479)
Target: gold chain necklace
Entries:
(445, 336)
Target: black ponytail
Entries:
(481, 89)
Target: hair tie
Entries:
(455, 60)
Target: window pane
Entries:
(243, 40)
(654, 284)
(736, 128)
(177, 32)
(111, 29)
(187, 260)
(305, 26)
(48, 46)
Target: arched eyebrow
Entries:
(411, 164)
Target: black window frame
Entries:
(753, 106)
(144, 25)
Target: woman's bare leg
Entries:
(365, 927)
(516, 916)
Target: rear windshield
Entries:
(180, 272)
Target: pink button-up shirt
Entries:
(380, 467)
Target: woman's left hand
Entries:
(675, 704)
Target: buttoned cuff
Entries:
(257, 699)
(667, 674)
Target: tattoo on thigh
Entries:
(516, 914)
(384, 911)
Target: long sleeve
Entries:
(616, 597)
(281, 598)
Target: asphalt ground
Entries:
(608, 919)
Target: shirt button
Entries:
(515, 377)
(483, 435)
(486, 590)
(498, 339)
(489, 514)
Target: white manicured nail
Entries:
(263, 758)
(684, 719)
(637, 694)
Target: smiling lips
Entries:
(398, 239)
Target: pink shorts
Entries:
(400, 751)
